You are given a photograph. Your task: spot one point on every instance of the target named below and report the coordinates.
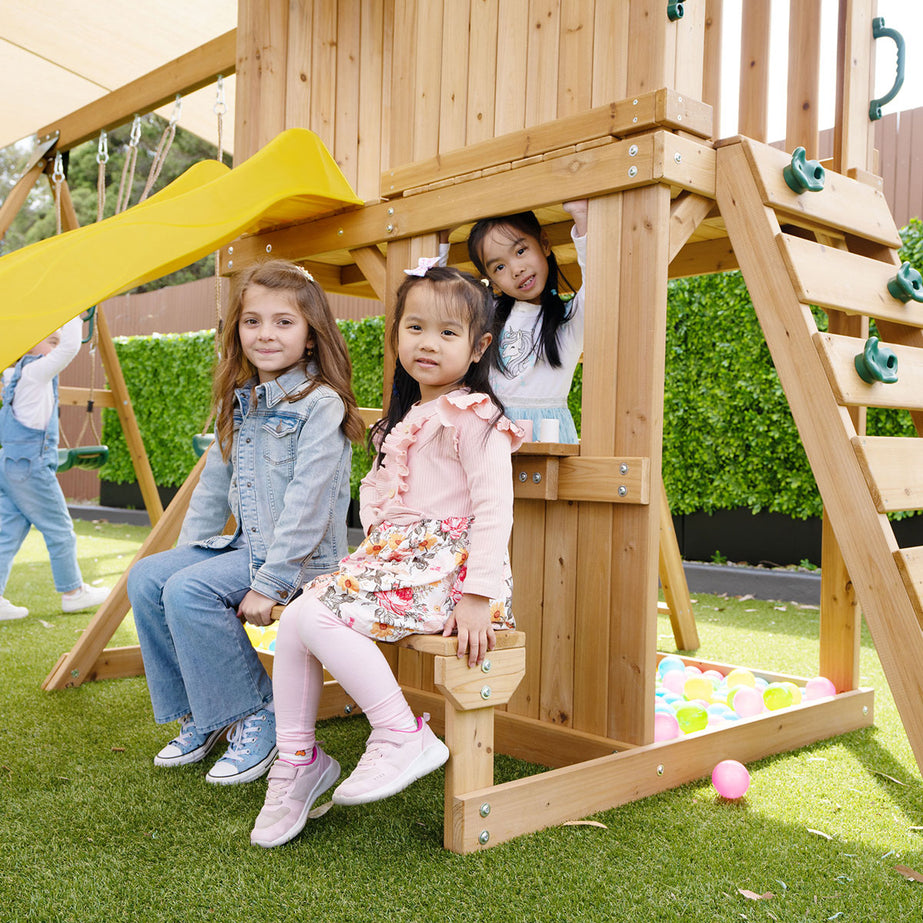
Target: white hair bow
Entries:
(423, 264)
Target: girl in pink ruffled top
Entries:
(437, 508)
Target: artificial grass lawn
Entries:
(92, 831)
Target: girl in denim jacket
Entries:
(285, 418)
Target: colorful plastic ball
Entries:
(666, 727)
(731, 779)
(818, 688)
(747, 702)
(740, 677)
(714, 676)
(720, 709)
(776, 696)
(698, 687)
(795, 691)
(674, 681)
(668, 663)
(692, 670)
(691, 718)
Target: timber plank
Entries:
(893, 467)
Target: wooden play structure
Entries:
(442, 113)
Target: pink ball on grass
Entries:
(818, 688)
(731, 779)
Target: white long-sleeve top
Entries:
(35, 401)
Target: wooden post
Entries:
(854, 133)
(753, 97)
(803, 76)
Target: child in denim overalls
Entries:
(29, 491)
(285, 417)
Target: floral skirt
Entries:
(405, 580)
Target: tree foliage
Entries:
(36, 220)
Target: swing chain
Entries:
(102, 158)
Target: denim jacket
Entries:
(287, 485)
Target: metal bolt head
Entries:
(677, 157)
(484, 809)
(634, 102)
(483, 837)
(486, 665)
(623, 468)
(389, 228)
(485, 692)
(390, 211)
(523, 476)
(230, 263)
(269, 248)
(537, 478)
(633, 150)
(230, 249)
(660, 770)
(632, 171)
(347, 709)
(339, 232)
(623, 490)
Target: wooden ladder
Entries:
(837, 249)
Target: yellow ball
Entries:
(699, 687)
(740, 677)
(795, 690)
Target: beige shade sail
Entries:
(58, 57)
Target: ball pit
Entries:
(701, 700)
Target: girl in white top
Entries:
(29, 491)
(539, 332)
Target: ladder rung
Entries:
(832, 278)
(893, 467)
(838, 354)
(843, 203)
(910, 564)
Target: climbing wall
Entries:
(835, 246)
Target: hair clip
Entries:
(423, 264)
(304, 272)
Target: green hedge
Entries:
(729, 437)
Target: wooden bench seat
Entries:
(470, 694)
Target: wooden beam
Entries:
(660, 108)
(185, 74)
(639, 161)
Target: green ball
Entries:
(777, 695)
(691, 717)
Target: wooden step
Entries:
(893, 467)
(838, 355)
(832, 278)
(843, 203)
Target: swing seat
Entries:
(85, 458)
(201, 442)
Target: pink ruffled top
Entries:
(446, 459)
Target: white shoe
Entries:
(87, 597)
(8, 611)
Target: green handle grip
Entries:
(675, 10)
(876, 363)
(879, 31)
(90, 319)
(907, 284)
(804, 175)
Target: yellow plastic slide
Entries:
(45, 285)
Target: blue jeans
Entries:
(197, 656)
(30, 495)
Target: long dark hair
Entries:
(554, 311)
(329, 351)
(471, 300)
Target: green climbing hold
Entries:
(876, 363)
(907, 284)
(804, 175)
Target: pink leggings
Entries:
(311, 635)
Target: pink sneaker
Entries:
(392, 760)
(292, 791)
